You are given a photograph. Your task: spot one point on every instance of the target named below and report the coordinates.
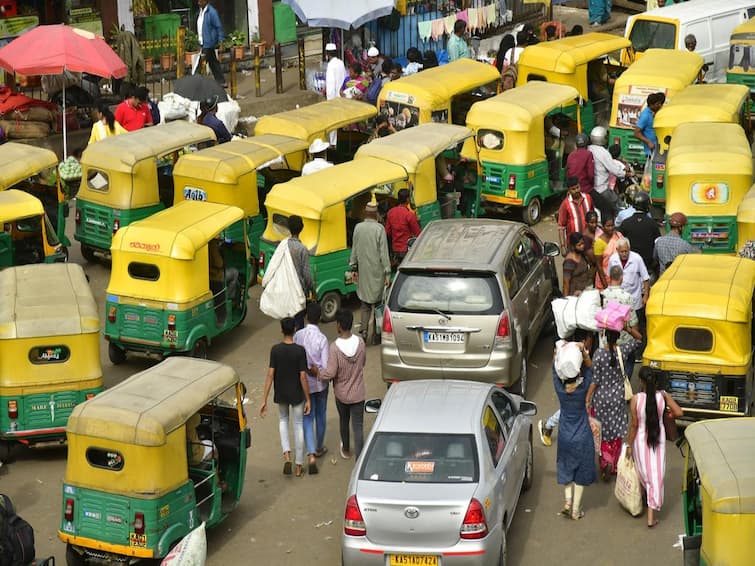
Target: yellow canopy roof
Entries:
(565, 55)
(19, 161)
(121, 153)
(673, 69)
(177, 232)
(515, 110)
(724, 451)
(705, 286)
(225, 163)
(16, 204)
(46, 300)
(435, 87)
(308, 196)
(411, 146)
(702, 103)
(308, 122)
(706, 147)
(745, 31)
(151, 404)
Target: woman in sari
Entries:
(603, 248)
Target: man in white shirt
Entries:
(335, 74)
(636, 281)
(606, 200)
(317, 150)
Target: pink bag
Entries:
(613, 316)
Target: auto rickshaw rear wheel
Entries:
(531, 213)
(73, 558)
(199, 350)
(116, 355)
(330, 303)
(87, 252)
(5, 450)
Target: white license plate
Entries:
(444, 337)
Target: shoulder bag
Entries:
(628, 393)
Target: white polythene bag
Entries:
(191, 551)
(282, 294)
(586, 307)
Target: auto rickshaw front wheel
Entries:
(116, 355)
(330, 303)
(531, 213)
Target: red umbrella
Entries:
(51, 50)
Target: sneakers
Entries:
(545, 433)
(345, 454)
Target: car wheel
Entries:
(531, 213)
(330, 303)
(503, 558)
(87, 252)
(116, 355)
(520, 387)
(199, 350)
(529, 466)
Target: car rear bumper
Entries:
(358, 551)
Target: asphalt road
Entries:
(285, 520)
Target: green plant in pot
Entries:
(237, 41)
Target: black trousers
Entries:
(212, 61)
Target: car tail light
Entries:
(353, 523)
(111, 314)
(69, 510)
(171, 322)
(504, 331)
(12, 409)
(89, 396)
(659, 180)
(116, 225)
(261, 262)
(139, 523)
(78, 216)
(512, 182)
(474, 525)
(387, 331)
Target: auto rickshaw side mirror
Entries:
(552, 249)
(527, 408)
(372, 405)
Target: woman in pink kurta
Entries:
(647, 438)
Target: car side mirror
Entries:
(552, 249)
(372, 405)
(527, 408)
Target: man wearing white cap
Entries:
(334, 77)
(374, 62)
(317, 150)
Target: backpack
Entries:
(16, 536)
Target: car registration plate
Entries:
(444, 337)
(413, 560)
(728, 403)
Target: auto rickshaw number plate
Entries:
(170, 335)
(728, 403)
(511, 194)
(135, 539)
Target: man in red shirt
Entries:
(400, 225)
(571, 213)
(580, 164)
(132, 113)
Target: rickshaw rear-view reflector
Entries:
(261, 263)
(512, 182)
(13, 409)
(139, 523)
(116, 225)
(171, 322)
(78, 216)
(111, 314)
(69, 509)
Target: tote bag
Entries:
(628, 489)
(282, 294)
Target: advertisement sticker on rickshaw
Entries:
(400, 97)
(710, 193)
(194, 193)
(632, 104)
(49, 354)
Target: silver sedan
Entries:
(439, 477)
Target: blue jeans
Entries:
(553, 420)
(318, 405)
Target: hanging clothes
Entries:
(473, 23)
(437, 29)
(424, 30)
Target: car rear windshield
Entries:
(447, 292)
(647, 34)
(421, 458)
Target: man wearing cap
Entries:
(207, 117)
(335, 73)
(317, 150)
(374, 62)
(370, 267)
(671, 245)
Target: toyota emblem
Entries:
(411, 512)
(442, 321)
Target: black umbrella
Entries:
(199, 87)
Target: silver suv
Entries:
(469, 302)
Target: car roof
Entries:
(433, 406)
(462, 244)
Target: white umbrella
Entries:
(342, 14)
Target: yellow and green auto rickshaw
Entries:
(660, 70)
(699, 334)
(331, 202)
(49, 351)
(741, 67)
(708, 172)
(239, 173)
(425, 153)
(720, 103)
(581, 62)
(26, 233)
(139, 474)
(176, 282)
(521, 163)
(343, 117)
(127, 178)
(442, 94)
(718, 492)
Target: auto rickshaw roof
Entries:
(121, 153)
(308, 196)
(724, 451)
(670, 68)
(16, 204)
(19, 161)
(705, 286)
(702, 103)
(145, 408)
(436, 87)
(566, 54)
(707, 147)
(225, 163)
(177, 232)
(515, 110)
(307, 121)
(411, 146)
(46, 300)
(744, 32)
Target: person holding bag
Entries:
(647, 438)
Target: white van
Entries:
(710, 21)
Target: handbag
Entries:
(628, 393)
(669, 423)
(628, 490)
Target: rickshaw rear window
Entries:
(105, 459)
(98, 181)
(693, 339)
(647, 34)
(143, 271)
(490, 139)
(740, 56)
(49, 354)
(280, 225)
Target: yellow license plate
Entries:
(413, 560)
(728, 403)
(512, 194)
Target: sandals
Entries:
(565, 512)
(299, 471)
(654, 524)
(287, 463)
(321, 452)
(312, 467)
(576, 516)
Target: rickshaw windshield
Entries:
(740, 56)
(52, 238)
(648, 34)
